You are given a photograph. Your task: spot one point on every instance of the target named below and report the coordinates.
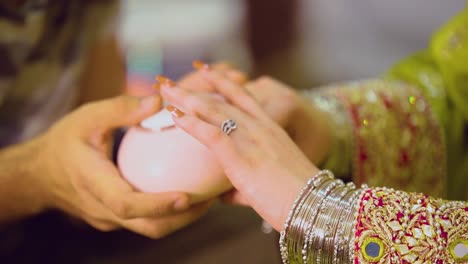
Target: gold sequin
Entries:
(459, 249)
(372, 249)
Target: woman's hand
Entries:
(77, 176)
(259, 158)
(306, 125)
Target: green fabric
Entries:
(441, 72)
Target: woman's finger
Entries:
(205, 106)
(212, 137)
(202, 105)
(235, 93)
(208, 134)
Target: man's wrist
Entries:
(22, 188)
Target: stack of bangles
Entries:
(319, 227)
(333, 222)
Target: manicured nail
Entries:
(181, 204)
(200, 65)
(165, 81)
(157, 86)
(174, 111)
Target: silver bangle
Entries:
(310, 234)
(340, 241)
(320, 225)
(310, 212)
(311, 183)
(331, 222)
(298, 222)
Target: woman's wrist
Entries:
(335, 126)
(311, 131)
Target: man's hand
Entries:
(305, 124)
(194, 81)
(77, 176)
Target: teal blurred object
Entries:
(144, 61)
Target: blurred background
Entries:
(302, 42)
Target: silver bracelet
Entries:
(299, 221)
(340, 241)
(310, 211)
(330, 222)
(320, 226)
(311, 183)
(311, 235)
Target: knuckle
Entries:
(210, 109)
(202, 105)
(290, 97)
(123, 102)
(155, 235)
(189, 124)
(217, 77)
(194, 103)
(161, 230)
(105, 227)
(241, 77)
(163, 209)
(89, 109)
(264, 79)
(121, 209)
(217, 137)
(85, 109)
(154, 231)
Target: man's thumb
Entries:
(116, 112)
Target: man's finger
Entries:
(103, 180)
(160, 227)
(196, 82)
(113, 113)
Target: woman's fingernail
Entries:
(174, 111)
(181, 204)
(200, 65)
(157, 86)
(165, 81)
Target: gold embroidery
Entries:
(397, 141)
(411, 227)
